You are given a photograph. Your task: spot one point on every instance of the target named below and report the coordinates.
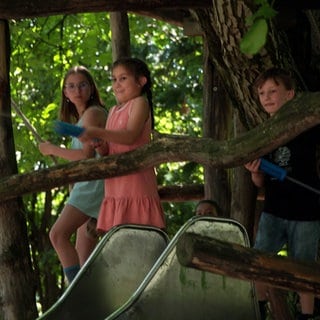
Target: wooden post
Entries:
(17, 293)
(215, 117)
(120, 35)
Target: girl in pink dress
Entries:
(133, 198)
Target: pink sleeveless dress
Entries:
(133, 198)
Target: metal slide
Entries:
(111, 275)
(173, 292)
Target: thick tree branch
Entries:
(236, 261)
(293, 118)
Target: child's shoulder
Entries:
(140, 100)
(94, 114)
(95, 110)
(139, 104)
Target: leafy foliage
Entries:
(256, 36)
(43, 49)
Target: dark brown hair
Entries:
(213, 203)
(278, 75)
(138, 69)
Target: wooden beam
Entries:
(18, 9)
(175, 17)
(236, 261)
(35, 8)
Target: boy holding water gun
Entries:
(291, 213)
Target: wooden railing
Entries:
(233, 260)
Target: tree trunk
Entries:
(223, 27)
(216, 116)
(244, 193)
(244, 198)
(120, 35)
(17, 292)
(48, 289)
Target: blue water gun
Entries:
(67, 129)
(279, 173)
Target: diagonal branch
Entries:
(30, 126)
(294, 118)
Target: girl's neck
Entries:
(81, 109)
(120, 105)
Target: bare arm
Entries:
(257, 176)
(138, 116)
(93, 116)
(97, 119)
(49, 149)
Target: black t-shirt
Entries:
(299, 158)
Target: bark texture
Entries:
(293, 118)
(119, 26)
(216, 125)
(236, 261)
(17, 285)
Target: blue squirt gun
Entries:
(67, 129)
(279, 173)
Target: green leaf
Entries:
(264, 12)
(255, 38)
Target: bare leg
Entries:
(84, 244)
(68, 222)
(307, 303)
(261, 291)
(279, 304)
(262, 297)
(278, 301)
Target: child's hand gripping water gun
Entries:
(281, 174)
(67, 129)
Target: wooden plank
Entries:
(36, 8)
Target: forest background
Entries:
(42, 50)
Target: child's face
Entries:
(206, 209)
(77, 89)
(124, 84)
(273, 96)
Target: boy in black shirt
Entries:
(291, 213)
